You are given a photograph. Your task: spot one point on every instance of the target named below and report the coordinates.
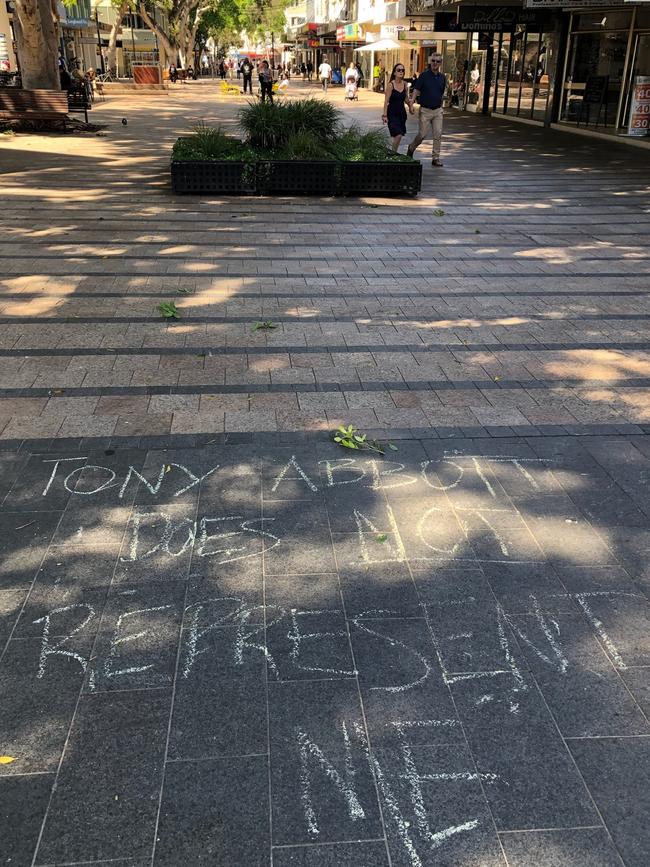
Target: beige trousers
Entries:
(430, 119)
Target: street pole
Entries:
(99, 43)
(133, 44)
(155, 35)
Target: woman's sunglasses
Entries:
(399, 69)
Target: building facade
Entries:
(570, 62)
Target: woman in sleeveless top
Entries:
(394, 105)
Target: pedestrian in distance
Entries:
(310, 70)
(325, 74)
(247, 75)
(430, 88)
(351, 82)
(303, 71)
(266, 81)
(395, 105)
(173, 74)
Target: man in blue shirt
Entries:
(430, 88)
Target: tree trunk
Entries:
(190, 38)
(169, 49)
(36, 44)
(111, 52)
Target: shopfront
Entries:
(608, 50)
(566, 61)
(512, 57)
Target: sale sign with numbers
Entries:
(640, 109)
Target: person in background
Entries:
(222, 69)
(266, 81)
(430, 88)
(395, 105)
(247, 74)
(303, 71)
(173, 74)
(325, 74)
(310, 70)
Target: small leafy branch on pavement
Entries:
(184, 291)
(438, 212)
(264, 326)
(351, 438)
(168, 310)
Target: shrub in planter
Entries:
(370, 165)
(209, 161)
(293, 147)
(271, 126)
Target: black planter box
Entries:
(210, 176)
(317, 177)
(363, 178)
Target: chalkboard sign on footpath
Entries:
(596, 89)
(595, 93)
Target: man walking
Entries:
(430, 87)
(325, 74)
(247, 72)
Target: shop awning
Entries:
(382, 45)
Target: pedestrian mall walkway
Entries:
(225, 639)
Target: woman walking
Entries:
(266, 81)
(394, 105)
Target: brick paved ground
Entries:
(227, 641)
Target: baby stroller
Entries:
(351, 86)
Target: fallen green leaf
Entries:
(264, 326)
(382, 537)
(168, 310)
(438, 212)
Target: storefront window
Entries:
(477, 70)
(601, 21)
(501, 61)
(640, 67)
(541, 89)
(522, 72)
(597, 51)
(517, 47)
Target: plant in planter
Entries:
(369, 164)
(293, 147)
(210, 161)
(292, 139)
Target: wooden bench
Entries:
(79, 100)
(33, 105)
